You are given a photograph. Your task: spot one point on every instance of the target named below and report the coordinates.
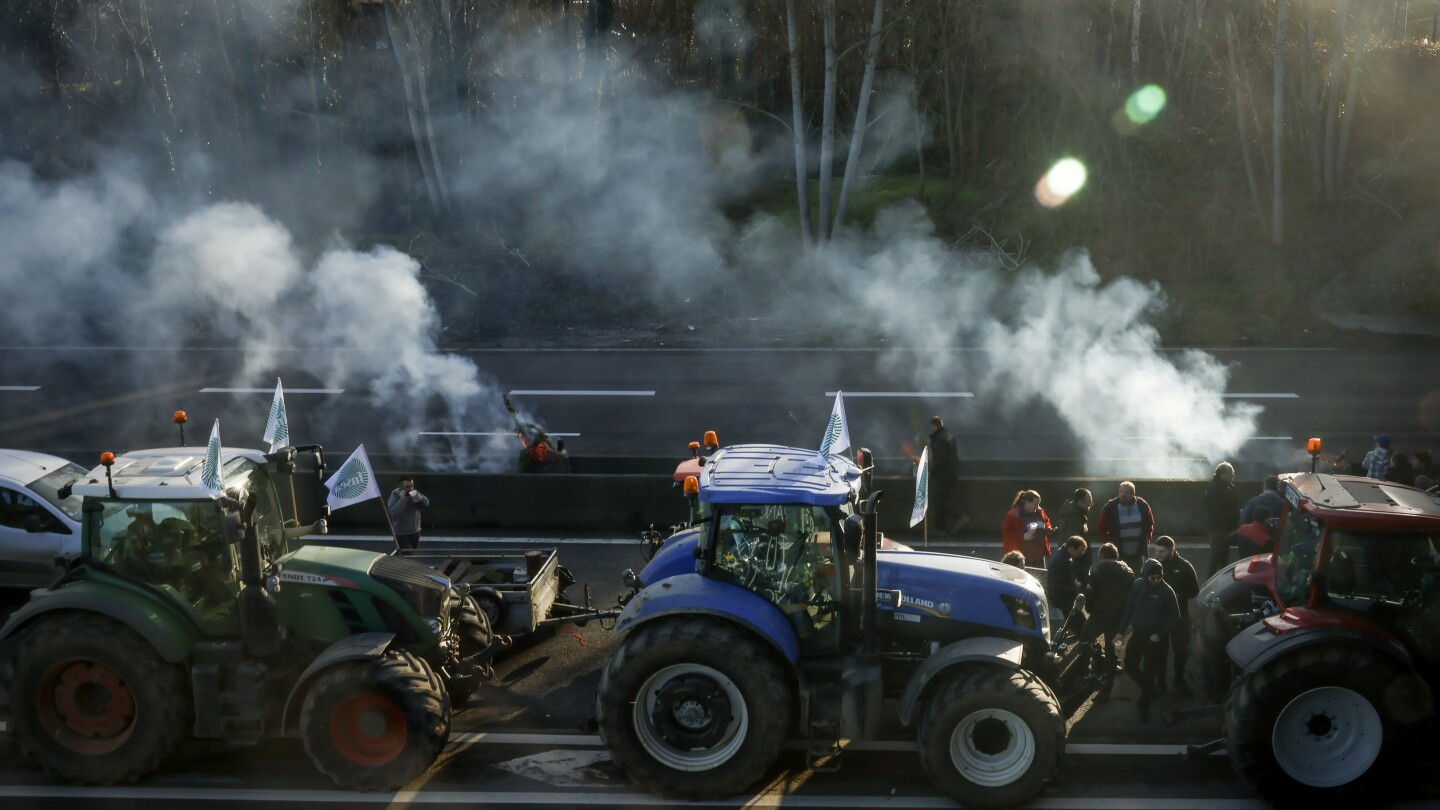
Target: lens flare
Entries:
(1144, 104)
(1060, 183)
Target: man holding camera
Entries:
(405, 503)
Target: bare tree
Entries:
(852, 161)
(827, 121)
(797, 117)
(1278, 127)
(1240, 117)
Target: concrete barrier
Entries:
(628, 503)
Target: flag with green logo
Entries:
(277, 427)
(211, 476)
(837, 433)
(354, 482)
(922, 488)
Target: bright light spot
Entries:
(1144, 104)
(1060, 183)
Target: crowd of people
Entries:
(1137, 586)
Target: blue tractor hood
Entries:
(770, 473)
(951, 588)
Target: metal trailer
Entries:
(519, 591)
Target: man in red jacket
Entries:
(1127, 521)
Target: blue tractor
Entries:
(779, 615)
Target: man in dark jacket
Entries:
(1180, 576)
(1074, 521)
(1151, 611)
(1127, 521)
(1269, 498)
(1105, 595)
(944, 477)
(1063, 578)
(1222, 514)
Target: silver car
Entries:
(37, 525)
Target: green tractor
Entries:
(187, 614)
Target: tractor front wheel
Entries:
(91, 701)
(376, 724)
(693, 708)
(992, 737)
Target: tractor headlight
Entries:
(1021, 612)
(434, 625)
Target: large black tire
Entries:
(472, 627)
(91, 701)
(694, 708)
(376, 724)
(1320, 724)
(1208, 669)
(992, 737)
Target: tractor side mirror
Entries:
(851, 534)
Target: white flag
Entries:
(211, 476)
(277, 427)
(922, 488)
(355, 482)
(837, 433)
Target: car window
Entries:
(16, 508)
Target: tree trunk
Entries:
(1277, 232)
(1240, 118)
(424, 93)
(1135, 42)
(415, 135)
(827, 123)
(852, 161)
(1352, 90)
(1332, 100)
(797, 117)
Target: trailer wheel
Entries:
(693, 708)
(91, 701)
(1208, 668)
(992, 737)
(1319, 723)
(375, 724)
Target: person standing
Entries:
(1222, 514)
(1180, 576)
(1063, 579)
(1269, 498)
(405, 504)
(1377, 461)
(1255, 537)
(1073, 520)
(944, 476)
(1402, 470)
(1105, 595)
(1127, 521)
(1027, 529)
(1151, 611)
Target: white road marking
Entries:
(1260, 396)
(521, 393)
(487, 797)
(440, 541)
(906, 394)
(19, 388)
(482, 433)
(271, 390)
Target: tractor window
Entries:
(1299, 543)
(244, 477)
(1365, 569)
(177, 546)
(784, 553)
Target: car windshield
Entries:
(49, 486)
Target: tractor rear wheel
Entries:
(92, 701)
(376, 724)
(694, 708)
(1319, 724)
(992, 737)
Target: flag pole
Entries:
(389, 521)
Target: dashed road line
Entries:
(905, 394)
(559, 393)
(19, 388)
(483, 433)
(288, 391)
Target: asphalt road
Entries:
(526, 739)
(648, 403)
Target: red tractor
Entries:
(1336, 670)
